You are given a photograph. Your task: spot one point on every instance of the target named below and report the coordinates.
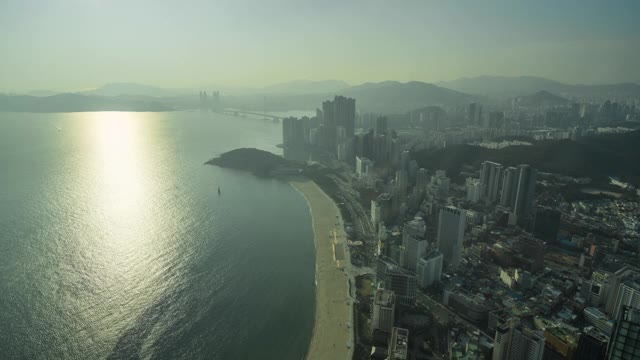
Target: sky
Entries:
(72, 45)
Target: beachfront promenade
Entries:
(332, 334)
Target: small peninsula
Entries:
(259, 162)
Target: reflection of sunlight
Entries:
(117, 141)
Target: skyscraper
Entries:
(430, 269)
(422, 178)
(625, 342)
(384, 308)
(339, 112)
(509, 188)
(592, 345)
(491, 178)
(414, 243)
(526, 344)
(382, 125)
(525, 192)
(628, 294)
(451, 224)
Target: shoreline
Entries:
(332, 336)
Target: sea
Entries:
(115, 244)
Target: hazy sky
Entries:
(79, 44)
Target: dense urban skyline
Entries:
(84, 44)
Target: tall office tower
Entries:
(592, 345)
(399, 345)
(628, 294)
(345, 114)
(525, 192)
(526, 344)
(430, 269)
(474, 114)
(405, 157)
(547, 224)
(329, 123)
(422, 178)
(614, 276)
(474, 189)
(403, 284)
(384, 308)
(382, 125)
(402, 181)
(376, 213)
(625, 342)
(491, 178)
(414, 243)
(451, 223)
(501, 341)
(509, 188)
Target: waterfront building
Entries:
(451, 224)
(384, 307)
(430, 269)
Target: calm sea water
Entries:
(114, 243)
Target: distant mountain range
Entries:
(384, 97)
(76, 103)
(396, 97)
(388, 97)
(505, 86)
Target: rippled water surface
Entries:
(114, 242)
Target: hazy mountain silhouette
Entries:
(397, 97)
(115, 89)
(506, 86)
(76, 103)
(542, 98)
(306, 87)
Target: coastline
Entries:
(332, 336)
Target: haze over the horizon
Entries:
(74, 45)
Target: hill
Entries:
(258, 162)
(596, 157)
(76, 103)
(507, 86)
(115, 89)
(396, 97)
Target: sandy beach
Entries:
(333, 330)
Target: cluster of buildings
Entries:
(528, 276)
